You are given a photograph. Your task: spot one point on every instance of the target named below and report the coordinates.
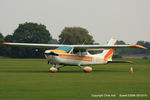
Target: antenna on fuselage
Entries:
(63, 41)
(83, 42)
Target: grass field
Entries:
(30, 79)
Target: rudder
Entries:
(107, 54)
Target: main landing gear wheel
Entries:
(53, 69)
(87, 69)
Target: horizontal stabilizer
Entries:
(120, 62)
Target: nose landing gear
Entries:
(55, 68)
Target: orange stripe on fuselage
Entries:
(59, 51)
(76, 57)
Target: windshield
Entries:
(65, 48)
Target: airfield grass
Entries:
(30, 79)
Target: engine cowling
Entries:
(53, 69)
(87, 69)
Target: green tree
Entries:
(75, 35)
(6, 49)
(1, 47)
(32, 33)
(121, 42)
(29, 33)
(1, 38)
(9, 38)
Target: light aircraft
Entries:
(77, 55)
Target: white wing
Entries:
(108, 46)
(34, 45)
(74, 46)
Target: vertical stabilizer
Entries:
(107, 54)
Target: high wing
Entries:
(50, 46)
(107, 46)
(34, 45)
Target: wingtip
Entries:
(138, 46)
(4, 43)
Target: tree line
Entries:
(37, 33)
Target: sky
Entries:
(127, 20)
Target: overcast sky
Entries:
(127, 20)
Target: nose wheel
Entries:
(54, 68)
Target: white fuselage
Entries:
(71, 59)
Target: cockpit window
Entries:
(65, 48)
(95, 51)
(83, 53)
(78, 52)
